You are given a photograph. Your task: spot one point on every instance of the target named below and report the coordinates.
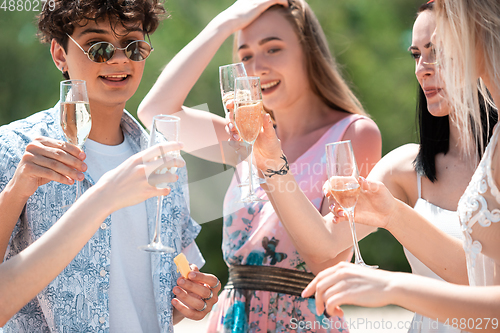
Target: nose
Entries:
(425, 67)
(118, 57)
(259, 66)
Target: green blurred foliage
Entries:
(369, 38)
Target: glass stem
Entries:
(357, 254)
(250, 173)
(157, 234)
(78, 189)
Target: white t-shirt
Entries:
(131, 299)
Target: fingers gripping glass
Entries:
(138, 50)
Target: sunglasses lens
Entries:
(101, 52)
(138, 50)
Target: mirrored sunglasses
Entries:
(138, 50)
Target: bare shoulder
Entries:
(366, 142)
(396, 171)
(363, 128)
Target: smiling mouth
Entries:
(269, 85)
(115, 78)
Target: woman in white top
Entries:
(430, 176)
(468, 34)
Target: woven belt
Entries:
(268, 278)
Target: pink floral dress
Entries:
(253, 235)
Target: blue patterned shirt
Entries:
(77, 300)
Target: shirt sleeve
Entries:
(193, 255)
(189, 228)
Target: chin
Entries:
(438, 110)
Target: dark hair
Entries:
(434, 134)
(57, 21)
(426, 6)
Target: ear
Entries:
(58, 55)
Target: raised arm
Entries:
(44, 160)
(26, 274)
(318, 240)
(180, 75)
(442, 253)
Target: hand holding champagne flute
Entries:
(343, 176)
(76, 121)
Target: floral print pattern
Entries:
(77, 299)
(253, 235)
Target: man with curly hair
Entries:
(110, 285)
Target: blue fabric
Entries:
(77, 299)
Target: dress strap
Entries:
(419, 185)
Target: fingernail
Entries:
(182, 282)
(230, 125)
(192, 275)
(81, 155)
(80, 176)
(83, 167)
(176, 290)
(341, 213)
(235, 137)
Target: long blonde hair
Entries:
(324, 76)
(468, 31)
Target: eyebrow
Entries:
(104, 32)
(261, 42)
(426, 46)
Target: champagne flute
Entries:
(227, 76)
(248, 111)
(75, 118)
(343, 175)
(167, 128)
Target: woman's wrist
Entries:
(397, 287)
(396, 216)
(276, 167)
(223, 26)
(101, 197)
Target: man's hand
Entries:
(196, 295)
(46, 160)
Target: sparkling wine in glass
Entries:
(165, 128)
(227, 75)
(343, 176)
(248, 112)
(75, 118)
